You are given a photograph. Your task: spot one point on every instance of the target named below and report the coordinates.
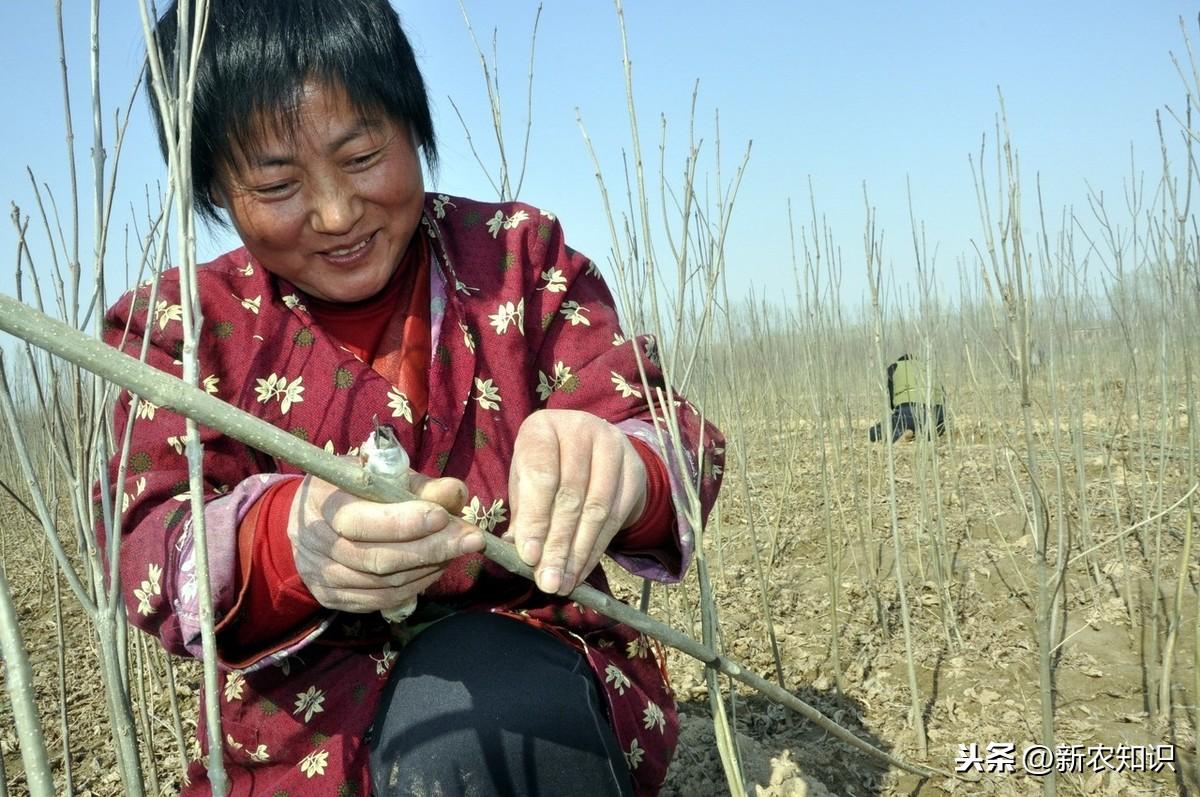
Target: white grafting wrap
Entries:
(386, 457)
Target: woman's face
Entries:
(333, 207)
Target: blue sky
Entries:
(839, 93)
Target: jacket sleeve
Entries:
(157, 547)
(584, 361)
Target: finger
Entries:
(533, 482)
(448, 492)
(363, 601)
(383, 558)
(597, 522)
(385, 599)
(570, 500)
(414, 589)
(319, 502)
(331, 575)
(369, 522)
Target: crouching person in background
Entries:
(911, 395)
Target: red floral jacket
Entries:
(519, 322)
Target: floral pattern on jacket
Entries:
(520, 322)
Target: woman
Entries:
(493, 350)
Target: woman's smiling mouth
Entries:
(349, 255)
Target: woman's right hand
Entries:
(360, 556)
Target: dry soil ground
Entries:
(978, 683)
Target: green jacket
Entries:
(909, 382)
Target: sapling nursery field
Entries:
(1009, 608)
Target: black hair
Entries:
(256, 57)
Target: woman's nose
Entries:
(335, 207)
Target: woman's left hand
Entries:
(575, 481)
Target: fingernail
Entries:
(530, 552)
(472, 542)
(509, 537)
(548, 580)
(436, 518)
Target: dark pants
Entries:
(909, 417)
(482, 704)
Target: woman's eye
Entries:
(274, 189)
(363, 160)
